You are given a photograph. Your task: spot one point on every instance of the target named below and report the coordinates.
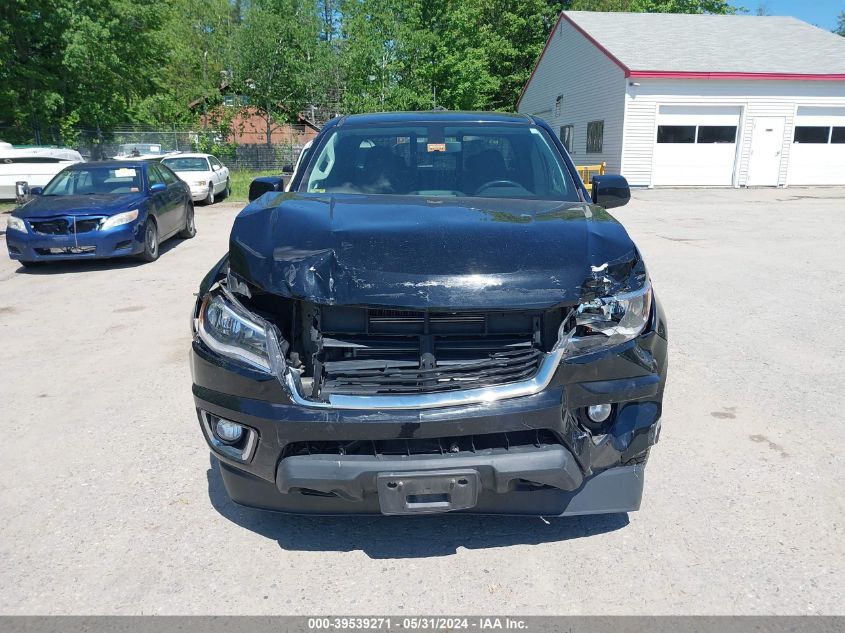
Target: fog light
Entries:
(599, 412)
(228, 431)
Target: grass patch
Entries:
(6, 207)
(239, 181)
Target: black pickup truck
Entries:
(437, 316)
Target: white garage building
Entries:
(720, 100)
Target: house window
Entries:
(558, 104)
(676, 134)
(595, 136)
(566, 134)
(243, 99)
(716, 134)
(838, 135)
(228, 100)
(811, 134)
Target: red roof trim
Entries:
(673, 74)
(589, 37)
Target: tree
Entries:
(198, 42)
(840, 26)
(271, 58)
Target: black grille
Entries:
(473, 444)
(65, 226)
(69, 250)
(388, 351)
(501, 367)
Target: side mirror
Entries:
(611, 190)
(22, 191)
(287, 168)
(215, 168)
(263, 184)
(158, 186)
(36, 191)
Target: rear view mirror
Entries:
(36, 191)
(611, 190)
(287, 169)
(159, 186)
(263, 184)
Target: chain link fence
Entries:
(103, 145)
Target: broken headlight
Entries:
(605, 322)
(231, 330)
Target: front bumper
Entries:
(580, 473)
(36, 247)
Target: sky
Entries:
(822, 13)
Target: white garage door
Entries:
(695, 145)
(817, 155)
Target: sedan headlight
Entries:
(199, 183)
(231, 330)
(16, 224)
(120, 219)
(605, 322)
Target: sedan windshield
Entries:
(187, 164)
(483, 160)
(94, 179)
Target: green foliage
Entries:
(840, 25)
(96, 64)
(270, 58)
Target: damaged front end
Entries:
(408, 409)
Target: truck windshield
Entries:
(480, 160)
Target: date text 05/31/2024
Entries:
(416, 623)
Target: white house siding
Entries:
(593, 89)
(756, 98)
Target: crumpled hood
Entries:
(461, 253)
(94, 204)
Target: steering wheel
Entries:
(497, 183)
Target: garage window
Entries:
(838, 135)
(566, 133)
(811, 134)
(595, 136)
(676, 134)
(716, 133)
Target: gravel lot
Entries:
(110, 503)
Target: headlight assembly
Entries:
(231, 330)
(16, 224)
(605, 322)
(120, 219)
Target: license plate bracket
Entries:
(427, 492)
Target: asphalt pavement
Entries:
(110, 503)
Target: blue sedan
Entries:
(102, 209)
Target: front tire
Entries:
(209, 198)
(151, 245)
(190, 227)
(228, 190)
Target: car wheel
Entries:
(209, 199)
(150, 253)
(190, 227)
(228, 190)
